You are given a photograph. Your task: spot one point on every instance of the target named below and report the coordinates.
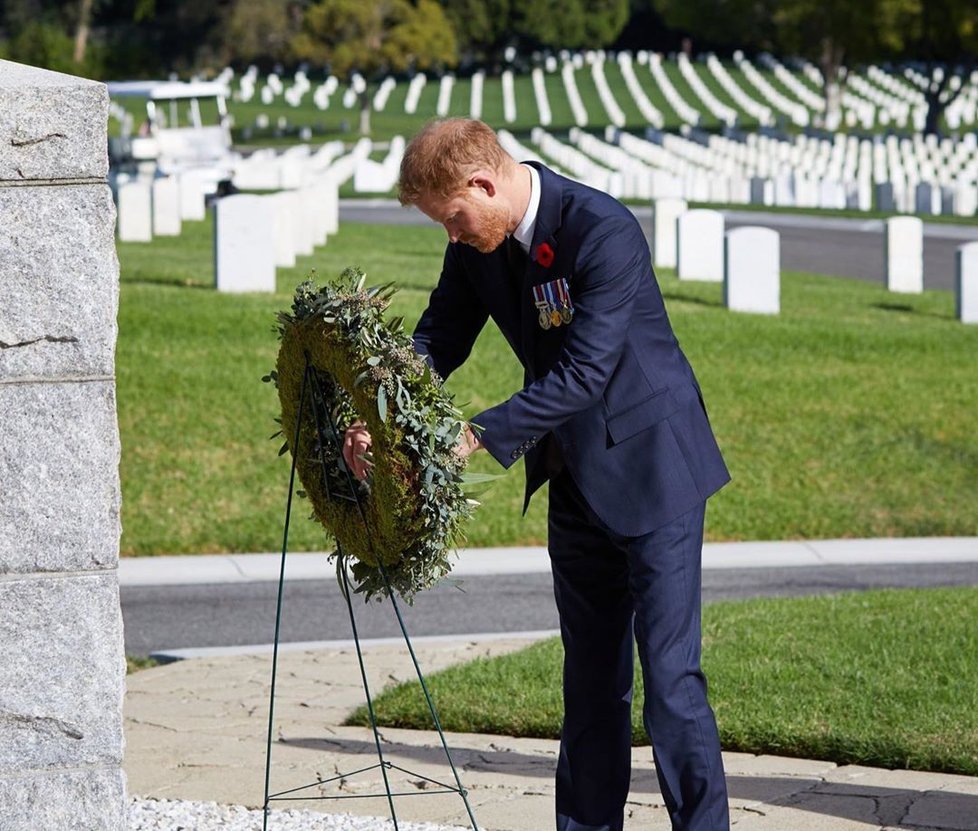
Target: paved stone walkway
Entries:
(197, 729)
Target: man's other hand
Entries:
(356, 444)
(468, 442)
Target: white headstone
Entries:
(166, 207)
(966, 284)
(699, 246)
(372, 177)
(966, 199)
(135, 212)
(303, 240)
(752, 270)
(903, 247)
(194, 187)
(258, 172)
(314, 213)
(244, 244)
(331, 193)
(286, 206)
(665, 212)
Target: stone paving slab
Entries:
(197, 730)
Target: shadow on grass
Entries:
(679, 297)
(896, 808)
(904, 308)
(162, 281)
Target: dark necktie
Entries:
(515, 259)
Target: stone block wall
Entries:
(62, 665)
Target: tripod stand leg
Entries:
(278, 607)
(384, 765)
(431, 704)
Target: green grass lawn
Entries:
(852, 414)
(882, 678)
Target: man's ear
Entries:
(483, 180)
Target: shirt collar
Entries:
(524, 231)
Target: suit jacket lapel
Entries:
(544, 231)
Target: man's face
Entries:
(471, 217)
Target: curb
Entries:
(248, 568)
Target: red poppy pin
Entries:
(545, 255)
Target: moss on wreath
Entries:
(407, 517)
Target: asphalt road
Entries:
(161, 618)
(813, 244)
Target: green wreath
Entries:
(413, 502)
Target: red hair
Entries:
(439, 160)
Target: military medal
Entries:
(553, 303)
(566, 307)
(542, 302)
(549, 290)
(544, 317)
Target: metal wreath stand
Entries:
(295, 794)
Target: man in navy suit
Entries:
(611, 413)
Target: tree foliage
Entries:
(482, 27)
(570, 24)
(261, 31)
(944, 31)
(378, 36)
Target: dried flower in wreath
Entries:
(413, 504)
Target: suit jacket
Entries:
(611, 387)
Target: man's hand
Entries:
(355, 444)
(468, 442)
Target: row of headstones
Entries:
(698, 169)
(269, 170)
(647, 169)
(724, 113)
(253, 235)
(635, 168)
(148, 207)
(911, 160)
(844, 159)
(380, 177)
(812, 100)
(874, 97)
(794, 109)
(903, 240)
(747, 259)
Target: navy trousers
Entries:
(608, 589)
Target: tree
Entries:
(837, 33)
(482, 27)
(486, 28)
(81, 31)
(604, 20)
(375, 36)
(943, 32)
(262, 30)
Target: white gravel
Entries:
(182, 815)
